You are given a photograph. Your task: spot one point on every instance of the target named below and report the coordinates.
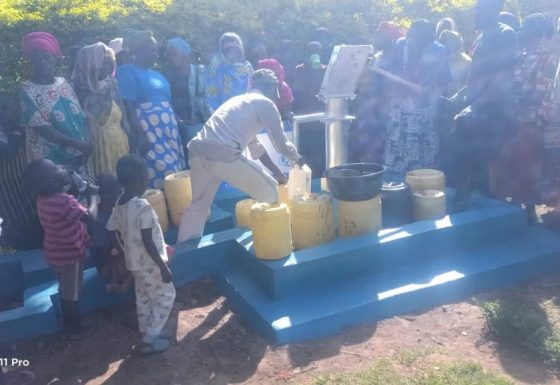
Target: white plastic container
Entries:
(429, 205)
(426, 179)
(299, 181)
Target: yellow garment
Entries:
(110, 142)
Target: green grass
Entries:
(384, 373)
(525, 324)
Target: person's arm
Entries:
(151, 248)
(50, 134)
(270, 118)
(276, 173)
(116, 242)
(91, 215)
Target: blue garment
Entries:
(140, 85)
(149, 92)
(227, 80)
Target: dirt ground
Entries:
(214, 347)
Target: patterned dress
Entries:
(149, 91)
(54, 105)
(518, 173)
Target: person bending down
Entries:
(216, 153)
(144, 253)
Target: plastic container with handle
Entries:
(299, 181)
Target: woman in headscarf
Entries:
(97, 91)
(518, 172)
(50, 111)
(147, 98)
(412, 139)
(229, 73)
(445, 24)
(188, 89)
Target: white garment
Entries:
(206, 176)
(154, 302)
(234, 127)
(130, 219)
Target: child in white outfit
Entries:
(144, 252)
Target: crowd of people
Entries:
(128, 116)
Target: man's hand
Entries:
(166, 275)
(280, 178)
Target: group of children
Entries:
(123, 235)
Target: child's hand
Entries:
(166, 275)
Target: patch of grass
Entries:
(526, 324)
(410, 356)
(384, 373)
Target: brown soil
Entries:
(214, 347)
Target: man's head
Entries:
(422, 32)
(534, 28)
(313, 54)
(266, 82)
(132, 173)
(42, 177)
(487, 12)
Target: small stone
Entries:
(464, 334)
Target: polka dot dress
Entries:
(165, 155)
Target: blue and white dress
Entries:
(149, 92)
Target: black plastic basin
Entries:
(355, 181)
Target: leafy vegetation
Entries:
(79, 22)
(525, 324)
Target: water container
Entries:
(312, 220)
(272, 235)
(358, 218)
(157, 200)
(299, 181)
(426, 179)
(396, 199)
(178, 192)
(429, 205)
(243, 212)
(283, 194)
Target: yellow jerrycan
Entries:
(272, 235)
(157, 201)
(358, 218)
(177, 188)
(243, 212)
(312, 220)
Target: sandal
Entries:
(159, 345)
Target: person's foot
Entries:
(167, 333)
(159, 345)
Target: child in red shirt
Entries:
(64, 220)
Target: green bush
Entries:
(524, 324)
(80, 22)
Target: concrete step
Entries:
(326, 309)
(352, 258)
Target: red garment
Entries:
(286, 96)
(40, 41)
(66, 237)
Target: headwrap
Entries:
(116, 45)
(286, 95)
(40, 41)
(389, 30)
(135, 40)
(85, 79)
(234, 41)
(452, 40)
(180, 45)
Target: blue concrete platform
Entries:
(321, 290)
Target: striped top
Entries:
(66, 238)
